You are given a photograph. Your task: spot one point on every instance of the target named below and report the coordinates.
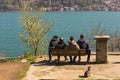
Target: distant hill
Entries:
(56, 5)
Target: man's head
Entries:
(61, 39)
(55, 37)
(71, 38)
(81, 36)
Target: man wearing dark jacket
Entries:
(53, 43)
(83, 44)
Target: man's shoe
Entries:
(70, 62)
(74, 62)
(49, 61)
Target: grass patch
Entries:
(9, 60)
(22, 73)
(30, 58)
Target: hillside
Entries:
(62, 5)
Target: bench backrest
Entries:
(66, 52)
(82, 52)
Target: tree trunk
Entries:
(35, 52)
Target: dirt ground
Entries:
(42, 69)
(10, 70)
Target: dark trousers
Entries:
(70, 58)
(88, 52)
(50, 54)
(65, 58)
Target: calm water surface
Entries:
(65, 25)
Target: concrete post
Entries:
(101, 48)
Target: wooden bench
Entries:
(66, 52)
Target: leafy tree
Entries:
(35, 29)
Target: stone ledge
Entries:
(102, 37)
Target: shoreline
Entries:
(93, 53)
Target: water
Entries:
(65, 25)
(76, 23)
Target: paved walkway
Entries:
(42, 69)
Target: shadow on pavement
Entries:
(116, 63)
(55, 63)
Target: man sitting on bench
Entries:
(72, 45)
(83, 44)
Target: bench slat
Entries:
(82, 52)
(62, 52)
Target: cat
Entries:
(87, 73)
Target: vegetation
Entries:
(35, 29)
(30, 58)
(113, 42)
(10, 59)
(34, 34)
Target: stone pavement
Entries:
(42, 69)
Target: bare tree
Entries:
(113, 42)
(35, 29)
